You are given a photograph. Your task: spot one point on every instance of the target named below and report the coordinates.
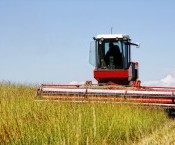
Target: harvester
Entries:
(117, 77)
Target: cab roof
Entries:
(112, 36)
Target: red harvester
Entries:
(117, 77)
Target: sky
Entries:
(48, 41)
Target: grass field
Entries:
(26, 121)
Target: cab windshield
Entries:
(113, 54)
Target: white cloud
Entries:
(80, 83)
(168, 81)
(76, 83)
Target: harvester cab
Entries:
(111, 56)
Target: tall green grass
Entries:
(26, 121)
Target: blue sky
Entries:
(47, 41)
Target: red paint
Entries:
(98, 74)
(150, 100)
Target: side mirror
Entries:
(138, 45)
